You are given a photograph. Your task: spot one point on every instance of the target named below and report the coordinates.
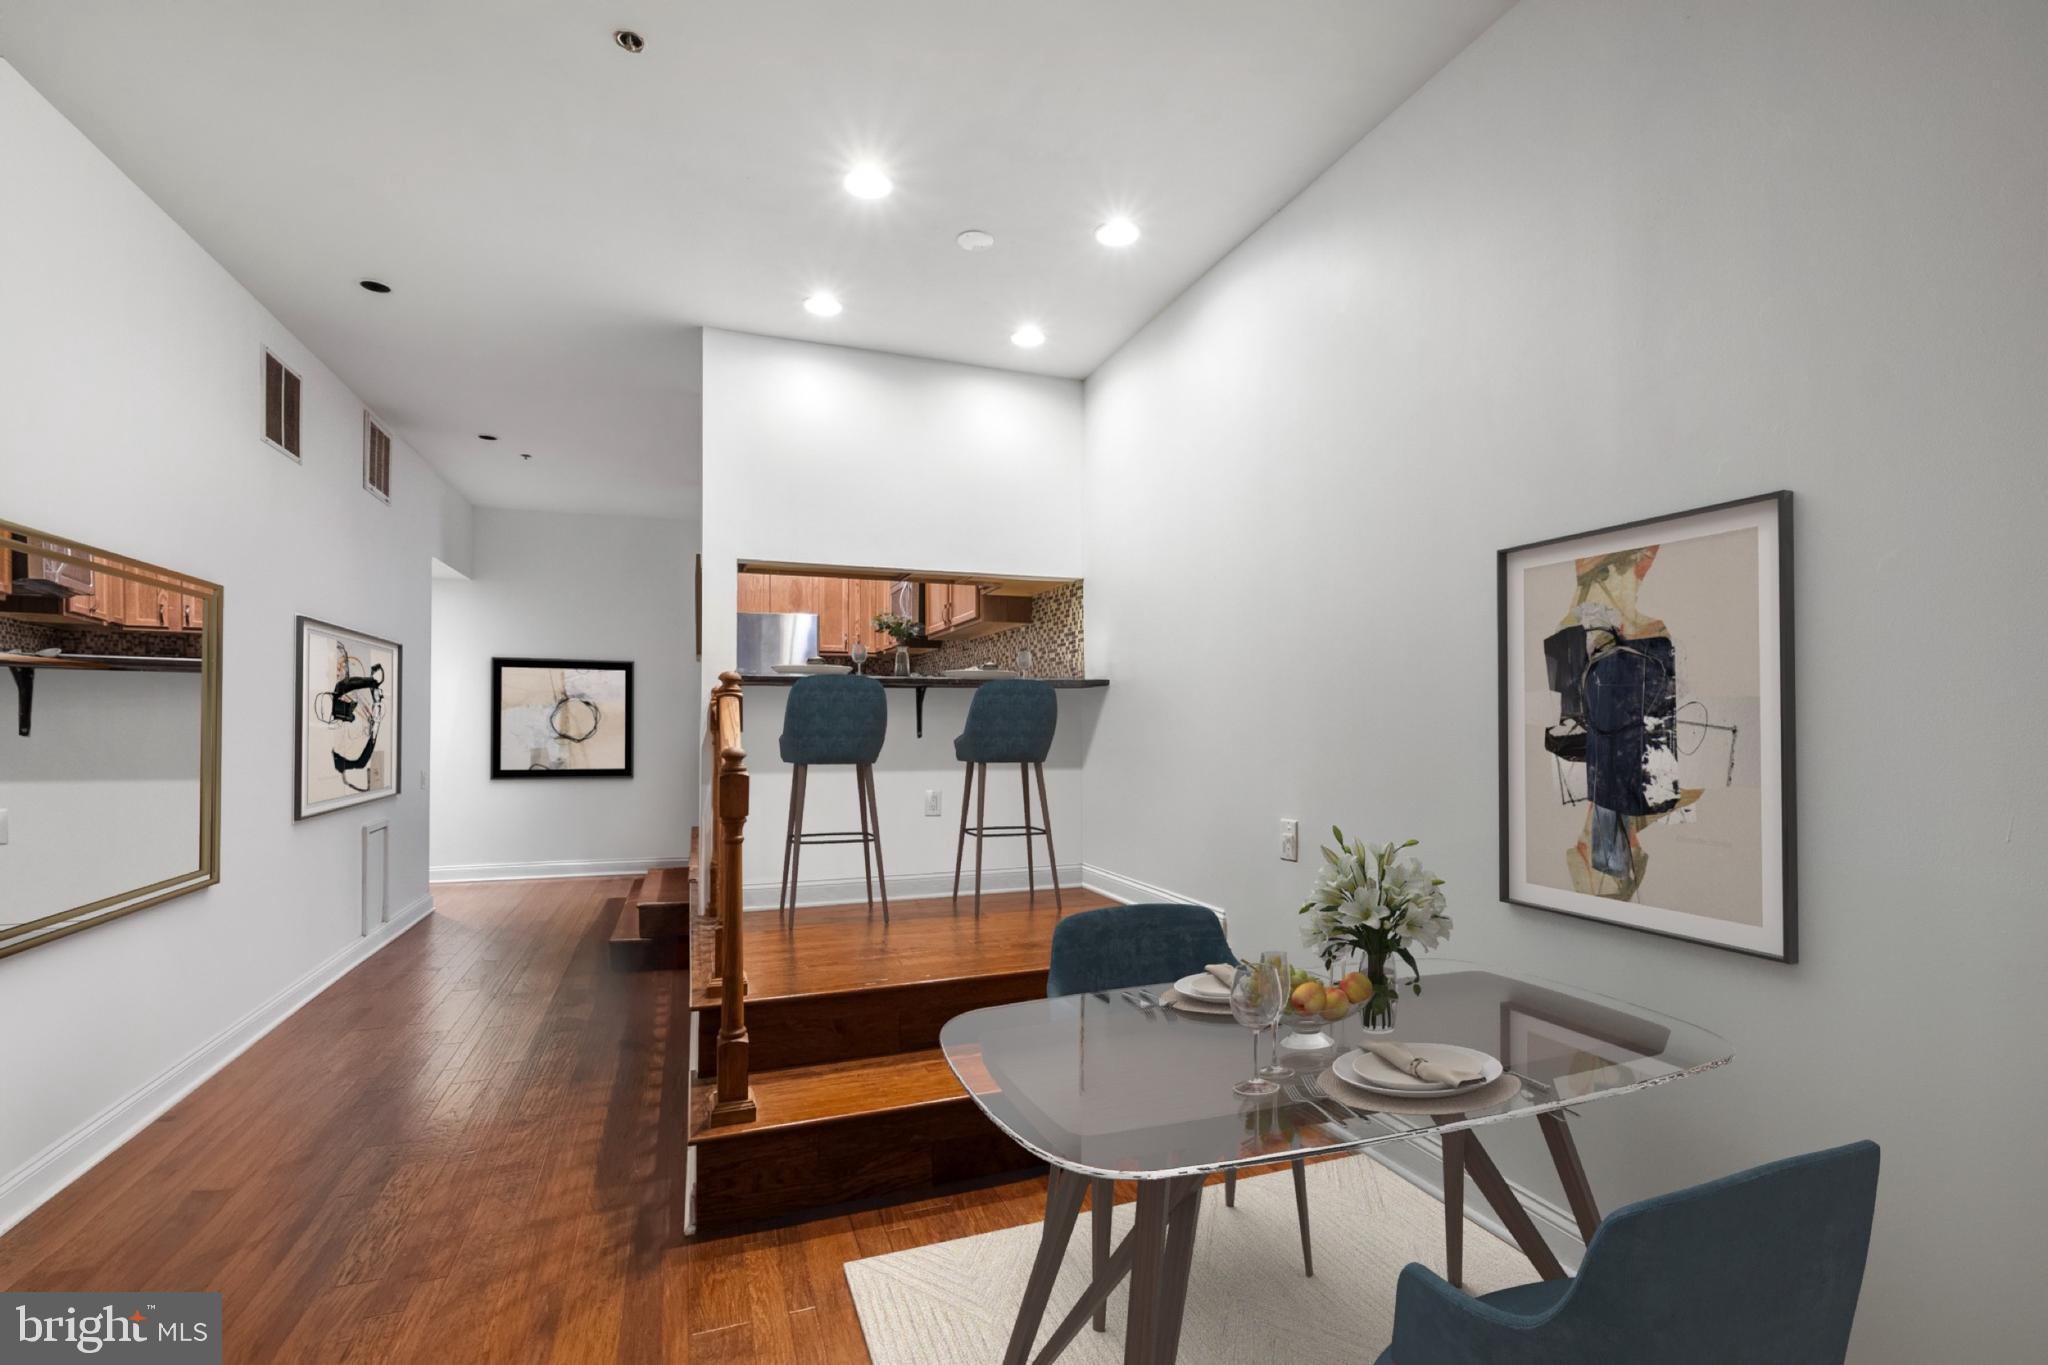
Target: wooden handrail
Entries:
(725, 737)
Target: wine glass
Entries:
(1024, 660)
(858, 650)
(1257, 995)
(1275, 1069)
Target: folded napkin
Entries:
(1226, 972)
(1434, 1073)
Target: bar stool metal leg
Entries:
(796, 853)
(1045, 811)
(980, 824)
(1030, 872)
(788, 844)
(874, 810)
(867, 864)
(960, 849)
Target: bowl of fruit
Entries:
(1314, 1004)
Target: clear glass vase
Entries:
(903, 661)
(1376, 1013)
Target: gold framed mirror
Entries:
(110, 748)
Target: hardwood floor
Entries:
(470, 1148)
(844, 947)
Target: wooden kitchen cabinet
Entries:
(755, 591)
(963, 611)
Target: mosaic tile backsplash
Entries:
(27, 637)
(1054, 638)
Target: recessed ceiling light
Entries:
(375, 286)
(482, 437)
(524, 456)
(1028, 336)
(868, 182)
(974, 239)
(629, 40)
(822, 305)
(1117, 232)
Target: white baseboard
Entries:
(570, 867)
(1420, 1162)
(27, 1188)
(846, 890)
(1131, 891)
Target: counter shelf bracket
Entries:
(25, 684)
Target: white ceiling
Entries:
(558, 218)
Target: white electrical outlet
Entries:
(931, 801)
(1290, 841)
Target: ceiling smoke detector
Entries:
(629, 40)
(974, 239)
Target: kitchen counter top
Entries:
(914, 680)
(916, 683)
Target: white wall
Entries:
(111, 762)
(1619, 260)
(130, 413)
(824, 455)
(548, 585)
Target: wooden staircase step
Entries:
(798, 1030)
(651, 934)
(840, 1133)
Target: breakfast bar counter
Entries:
(917, 682)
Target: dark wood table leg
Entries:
(1063, 1191)
(1564, 1154)
(1520, 1226)
(1308, 1260)
(1103, 1200)
(1454, 1203)
(1148, 1263)
(1178, 1262)
(1230, 1188)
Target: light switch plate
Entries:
(931, 801)
(1290, 841)
(3, 826)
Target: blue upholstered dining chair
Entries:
(1761, 1267)
(834, 719)
(1143, 945)
(1010, 720)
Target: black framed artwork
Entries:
(561, 718)
(1646, 757)
(347, 699)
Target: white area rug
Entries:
(1248, 1300)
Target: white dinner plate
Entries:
(981, 673)
(1189, 1005)
(1368, 1072)
(1202, 986)
(813, 670)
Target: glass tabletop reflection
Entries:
(1100, 1085)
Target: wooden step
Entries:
(861, 1021)
(879, 1128)
(651, 933)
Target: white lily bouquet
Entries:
(1370, 900)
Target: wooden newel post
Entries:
(729, 799)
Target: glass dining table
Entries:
(1112, 1086)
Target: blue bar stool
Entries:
(1009, 721)
(834, 720)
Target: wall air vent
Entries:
(280, 406)
(376, 458)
